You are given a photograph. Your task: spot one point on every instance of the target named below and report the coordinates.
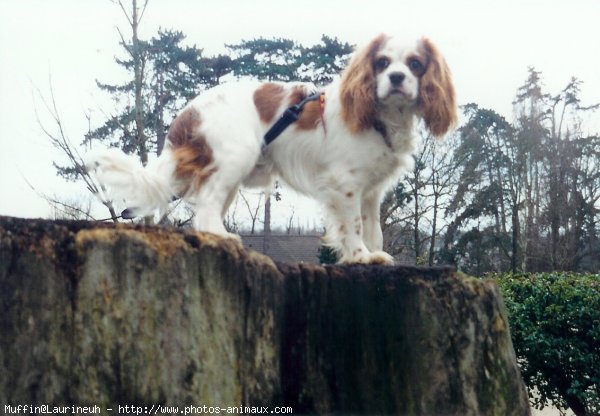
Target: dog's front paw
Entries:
(234, 237)
(228, 236)
(380, 257)
(376, 257)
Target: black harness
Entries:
(288, 117)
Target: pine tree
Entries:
(266, 59)
(321, 62)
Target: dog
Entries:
(345, 149)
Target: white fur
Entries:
(145, 188)
(347, 172)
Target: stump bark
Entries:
(104, 315)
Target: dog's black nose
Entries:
(396, 78)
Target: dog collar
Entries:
(380, 128)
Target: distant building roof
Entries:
(286, 248)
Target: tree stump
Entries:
(117, 315)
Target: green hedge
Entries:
(555, 327)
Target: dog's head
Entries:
(388, 73)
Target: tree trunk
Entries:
(138, 72)
(516, 227)
(267, 225)
(97, 314)
(416, 219)
(433, 229)
(161, 133)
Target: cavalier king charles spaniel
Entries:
(345, 150)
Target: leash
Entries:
(291, 115)
(126, 214)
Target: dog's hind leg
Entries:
(210, 206)
(212, 196)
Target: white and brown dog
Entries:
(345, 151)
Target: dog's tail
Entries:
(145, 189)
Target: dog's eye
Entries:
(382, 63)
(416, 66)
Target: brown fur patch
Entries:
(267, 100)
(193, 156)
(311, 113)
(194, 163)
(184, 128)
(310, 117)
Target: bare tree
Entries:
(75, 168)
(412, 214)
(231, 220)
(72, 209)
(290, 223)
(441, 183)
(252, 211)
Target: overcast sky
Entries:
(488, 44)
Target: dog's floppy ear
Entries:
(358, 87)
(436, 91)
